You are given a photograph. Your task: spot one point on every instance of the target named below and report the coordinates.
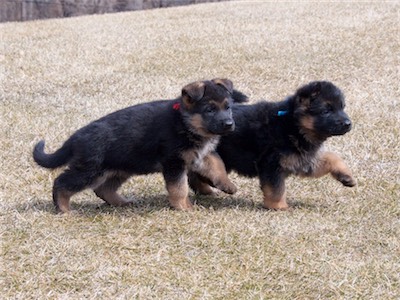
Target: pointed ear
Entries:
(226, 83)
(310, 90)
(303, 101)
(315, 89)
(308, 93)
(192, 92)
(239, 97)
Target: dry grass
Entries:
(336, 243)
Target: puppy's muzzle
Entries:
(224, 126)
(346, 125)
(342, 126)
(228, 125)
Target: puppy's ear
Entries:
(309, 92)
(192, 92)
(315, 89)
(226, 83)
(239, 97)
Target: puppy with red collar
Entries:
(168, 136)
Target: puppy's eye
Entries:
(210, 109)
(227, 107)
(327, 110)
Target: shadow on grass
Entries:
(217, 203)
(295, 204)
(145, 205)
(92, 206)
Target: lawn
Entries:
(333, 243)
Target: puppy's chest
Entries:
(299, 163)
(194, 158)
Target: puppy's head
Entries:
(206, 107)
(319, 110)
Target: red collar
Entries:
(176, 106)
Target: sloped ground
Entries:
(25, 10)
(335, 243)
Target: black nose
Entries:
(347, 123)
(228, 124)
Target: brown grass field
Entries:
(334, 243)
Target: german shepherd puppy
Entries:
(168, 136)
(273, 140)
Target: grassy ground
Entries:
(335, 242)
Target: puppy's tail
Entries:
(54, 160)
(239, 97)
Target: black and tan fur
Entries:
(273, 140)
(168, 136)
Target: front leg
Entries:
(176, 181)
(329, 162)
(199, 184)
(213, 169)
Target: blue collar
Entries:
(282, 113)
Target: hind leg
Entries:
(69, 183)
(61, 199)
(108, 190)
(272, 182)
(274, 195)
